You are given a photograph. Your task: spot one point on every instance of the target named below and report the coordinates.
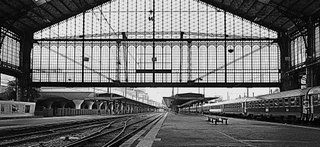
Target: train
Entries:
(293, 105)
(16, 108)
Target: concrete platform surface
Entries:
(195, 130)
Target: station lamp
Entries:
(40, 2)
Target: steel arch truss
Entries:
(168, 43)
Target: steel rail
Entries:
(122, 139)
(96, 135)
(36, 138)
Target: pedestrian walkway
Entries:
(196, 130)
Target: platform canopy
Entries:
(186, 99)
(88, 96)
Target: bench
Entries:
(217, 119)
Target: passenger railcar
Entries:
(285, 104)
(234, 107)
(311, 104)
(301, 104)
(17, 108)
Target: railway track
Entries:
(116, 136)
(37, 138)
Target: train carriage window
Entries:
(298, 99)
(276, 102)
(315, 99)
(293, 102)
(2, 107)
(286, 101)
(281, 102)
(27, 109)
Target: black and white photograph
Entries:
(160, 73)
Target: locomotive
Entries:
(299, 104)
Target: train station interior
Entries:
(99, 57)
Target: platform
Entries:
(195, 130)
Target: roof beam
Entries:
(76, 5)
(242, 3)
(66, 16)
(4, 21)
(48, 12)
(238, 13)
(251, 6)
(150, 84)
(65, 5)
(232, 2)
(307, 6)
(55, 8)
(255, 16)
(285, 23)
(21, 13)
(32, 10)
(292, 18)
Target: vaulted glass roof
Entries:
(194, 18)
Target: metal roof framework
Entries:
(280, 15)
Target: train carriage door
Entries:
(243, 106)
(307, 107)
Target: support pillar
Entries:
(131, 109)
(106, 107)
(49, 104)
(98, 104)
(289, 80)
(120, 108)
(89, 104)
(310, 57)
(78, 103)
(113, 106)
(63, 104)
(24, 81)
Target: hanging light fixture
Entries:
(40, 2)
(230, 50)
